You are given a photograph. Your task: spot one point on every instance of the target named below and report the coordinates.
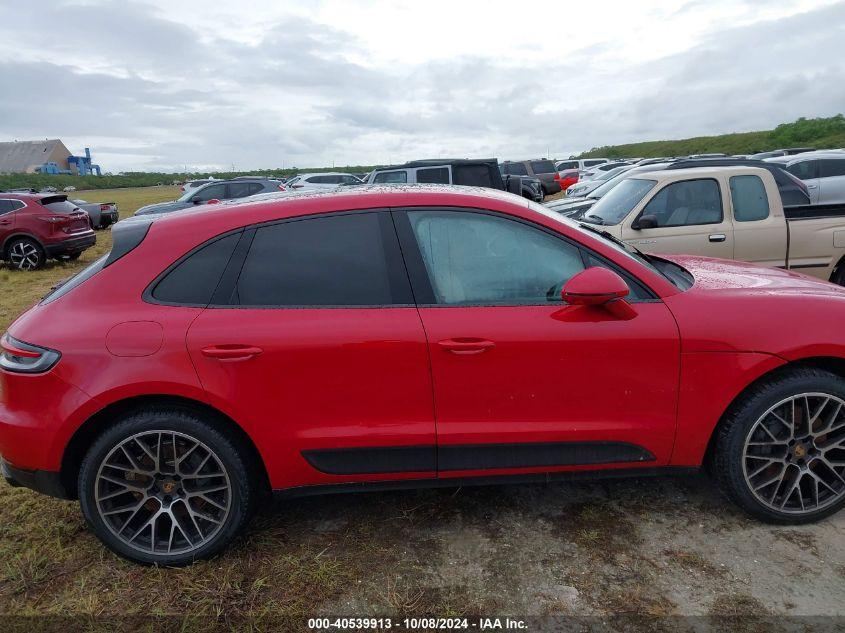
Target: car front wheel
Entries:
(165, 487)
(780, 453)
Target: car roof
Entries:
(324, 173)
(433, 162)
(703, 172)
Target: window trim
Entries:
(675, 226)
(391, 171)
(421, 281)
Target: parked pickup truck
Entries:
(727, 212)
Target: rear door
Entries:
(314, 345)
(760, 236)
(690, 217)
(832, 181)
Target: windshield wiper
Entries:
(612, 238)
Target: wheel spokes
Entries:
(148, 502)
(794, 455)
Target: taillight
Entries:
(105, 207)
(24, 358)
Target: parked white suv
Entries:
(321, 181)
(580, 164)
(822, 171)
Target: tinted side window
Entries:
(473, 258)
(391, 177)
(255, 187)
(687, 203)
(805, 170)
(472, 175)
(593, 163)
(239, 189)
(331, 261)
(515, 169)
(831, 167)
(542, 166)
(211, 192)
(195, 278)
(5, 206)
(570, 164)
(438, 175)
(750, 202)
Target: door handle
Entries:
(466, 345)
(718, 237)
(812, 186)
(231, 352)
(5, 221)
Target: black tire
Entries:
(241, 494)
(25, 253)
(728, 456)
(838, 276)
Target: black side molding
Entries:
(366, 461)
(489, 456)
(409, 459)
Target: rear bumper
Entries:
(71, 246)
(43, 481)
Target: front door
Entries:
(523, 382)
(320, 354)
(690, 219)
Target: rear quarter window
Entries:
(543, 166)
(193, 280)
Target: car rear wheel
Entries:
(780, 453)
(25, 254)
(165, 487)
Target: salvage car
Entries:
(38, 227)
(405, 337)
(725, 212)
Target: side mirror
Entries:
(599, 287)
(645, 222)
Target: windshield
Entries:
(621, 247)
(619, 201)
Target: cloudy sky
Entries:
(164, 84)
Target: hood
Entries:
(163, 207)
(742, 278)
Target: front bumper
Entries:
(43, 481)
(70, 246)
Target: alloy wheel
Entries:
(24, 255)
(163, 492)
(793, 459)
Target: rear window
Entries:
(543, 166)
(569, 164)
(515, 169)
(61, 207)
(594, 162)
(395, 177)
(472, 175)
(438, 175)
(193, 280)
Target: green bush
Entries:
(820, 133)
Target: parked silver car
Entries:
(584, 187)
(822, 171)
(324, 181)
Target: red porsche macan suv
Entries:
(407, 337)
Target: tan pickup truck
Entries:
(727, 212)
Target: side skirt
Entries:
(496, 480)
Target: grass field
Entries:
(643, 548)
